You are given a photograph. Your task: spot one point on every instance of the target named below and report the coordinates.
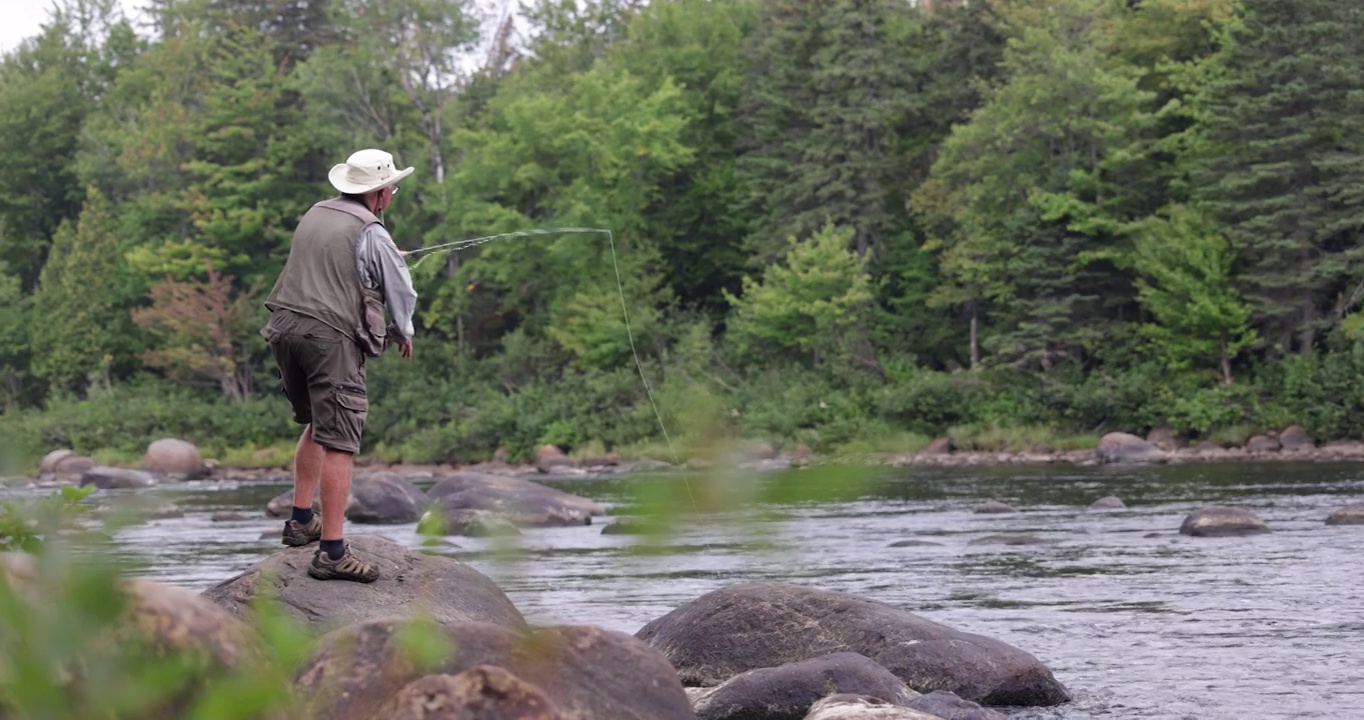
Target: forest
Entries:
(854, 225)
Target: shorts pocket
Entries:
(352, 398)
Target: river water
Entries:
(1135, 619)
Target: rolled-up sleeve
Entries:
(382, 268)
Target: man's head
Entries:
(370, 176)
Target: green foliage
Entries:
(809, 305)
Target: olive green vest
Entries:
(320, 278)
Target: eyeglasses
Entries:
(395, 190)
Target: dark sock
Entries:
(334, 548)
(302, 516)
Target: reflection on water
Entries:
(1137, 620)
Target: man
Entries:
(326, 315)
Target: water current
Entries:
(1135, 619)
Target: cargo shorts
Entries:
(323, 372)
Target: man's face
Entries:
(385, 198)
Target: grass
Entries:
(1021, 438)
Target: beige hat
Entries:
(366, 171)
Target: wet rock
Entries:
(469, 523)
(914, 543)
(523, 503)
(1112, 502)
(994, 507)
(384, 499)
(275, 535)
(175, 459)
(110, 478)
(939, 446)
(1295, 439)
(650, 465)
(601, 461)
(227, 517)
(550, 458)
(750, 626)
(483, 692)
(788, 691)
(1348, 515)
(844, 706)
(633, 526)
(1123, 448)
(1162, 438)
(442, 588)
(1222, 522)
(586, 671)
(1011, 539)
(166, 512)
(282, 505)
(948, 706)
(1262, 444)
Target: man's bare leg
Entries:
(307, 469)
(336, 469)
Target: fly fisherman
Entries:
(327, 313)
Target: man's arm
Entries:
(381, 266)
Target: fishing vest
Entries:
(321, 278)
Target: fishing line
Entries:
(620, 291)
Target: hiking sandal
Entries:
(298, 535)
(347, 567)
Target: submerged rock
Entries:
(948, 706)
(756, 625)
(586, 672)
(994, 507)
(1348, 515)
(441, 588)
(788, 691)
(1108, 503)
(1222, 522)
(914, 543)
(111, 478)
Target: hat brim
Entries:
(337, 177)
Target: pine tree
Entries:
(1282, 161)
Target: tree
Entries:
(14, 350)
(80, 324)
(1185, 282)
(814, 304)
(1282, 160)
(205, 329)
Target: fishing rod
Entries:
(458, 245)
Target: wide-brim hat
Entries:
(366, 171)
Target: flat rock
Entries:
(755, 625)
(483, 692)
(442, 588)
(469, 523)
(788, 691)
(914, 543)
(1348, 515)
(1111, 502)
(994, 507)
(1124, 448)
(521, 502)
(1222, 522)
(228, 517)
(176, 459)
(1011, 539)
(587, 672)
(844, 706)
(384, 499)
(111, 478)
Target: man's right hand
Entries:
(405, 347)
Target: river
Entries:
(1135, 619)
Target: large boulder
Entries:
(589, 673)
(384, 499)
(1222, 522)
(1263, 444)
(1348, 515)
(469, 523)
(441, 588)
(523, 503)
(1295, 439)
(48, 465)
(483, 692)
(112, 478)
(550, 458)
(1163, 438)
(787, 692)
(749, 626)
(1123, 448)
(846, 706)
(173, 458)
(281, 505)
